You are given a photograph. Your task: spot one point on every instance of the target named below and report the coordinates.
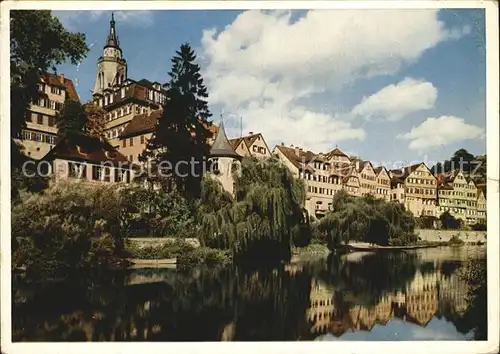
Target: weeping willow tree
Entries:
(366, 219)
(263, 219)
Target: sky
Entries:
(395, 87)
(436, 329)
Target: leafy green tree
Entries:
(71, 119)
(265, 217)
(66, 229)
(181, 133)
(38, 42)
(448, 221)
(366, 219)
(470, 165)
(95, 119)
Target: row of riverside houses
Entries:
(415, 186)
(133, 108)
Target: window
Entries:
(123, 92)
(39, 118)
(214, 166)
(106, 171)
(55, 90)
(131, 142)
(96, 172)
(41, 102)
(124, 143)
(129, 109)
(41, 87)
(106, 100)
(111, 98)
(52, 121)
(143, 139)
(52, 105)
(76, 170)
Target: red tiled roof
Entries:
(55, 80)
(336, 152)
(299, 160)
(80, 147)
(141, 124)
(235, 142)
(145, 123)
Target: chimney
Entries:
(250, 133)
(297, 151)
(62, 78)
(282, 144)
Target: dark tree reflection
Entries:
(292, 302)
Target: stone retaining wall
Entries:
(446, 235)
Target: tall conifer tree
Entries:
(182, 131)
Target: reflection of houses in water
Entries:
(321, 306)
(333, 311)
(454, 291)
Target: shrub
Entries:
(206, 256)
(168, 250)
(67, 227)
(455, 240)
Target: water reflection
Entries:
(386, 296)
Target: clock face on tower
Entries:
(111, 52)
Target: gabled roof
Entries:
(221, 146)
(351, 173)
(360, 164)
(378, 170)
(52, 79)
(249, 140)
(298, 158)
(142, 124)
(335, 152)
(81, 147)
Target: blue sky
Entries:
(436, 329)
(392, 86)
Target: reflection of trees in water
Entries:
(474, 318)
(215, 304)
(232, 304)
(373, 276)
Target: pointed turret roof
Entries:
(221, 146)
(112, 37)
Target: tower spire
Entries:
(112, 37)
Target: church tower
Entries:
(111, 67)
(221, 159)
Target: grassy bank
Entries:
(186, 254)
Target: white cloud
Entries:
(262, 64)
(137, 18)
(444, 130)
(395, 101)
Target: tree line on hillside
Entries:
(470, 165)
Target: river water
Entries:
(417, 295)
